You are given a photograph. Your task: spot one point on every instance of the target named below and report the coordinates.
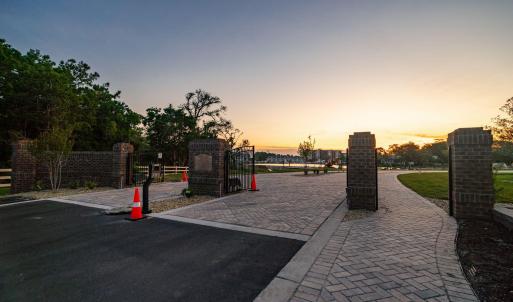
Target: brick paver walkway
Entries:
(123, 197)
(404, 252)
(291, 203)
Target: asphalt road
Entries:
(51, 251)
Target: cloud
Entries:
(426, 135)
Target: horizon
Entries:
(404, 71)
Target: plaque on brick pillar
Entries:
(206, 166)
(362, 191)
(203, 163)
(472, 194)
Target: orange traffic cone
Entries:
(136, 207)
(184, 176)
(253, 183)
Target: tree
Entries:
(207, 111)
(169, 130)
(245, 143)
(435, 153)
(230, 134)
(37, 95)
(52, 148)
(503, 128)
(502, 152)
(383, 157)
(306, 149)
(405, 153)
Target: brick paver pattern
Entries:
(403, 252)
(286, 202)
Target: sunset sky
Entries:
(405, 70)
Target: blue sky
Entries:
(406, 70)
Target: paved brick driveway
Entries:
(404, 252)
(291, 203)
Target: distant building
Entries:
(321, 155)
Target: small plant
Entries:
(186, 192)
(38, 186)
(90, 184)
(75, 184)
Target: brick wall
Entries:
(362, 172)
(206, 166)
(105, 168)
(23, 175)
(471, 164)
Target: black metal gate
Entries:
(139, 165)
(239, 166)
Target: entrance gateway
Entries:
(215, 169)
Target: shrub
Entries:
(75, 184)
(186, 192)
(90, 184)
(38, 185)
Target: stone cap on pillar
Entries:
(470, 136)
(123, 147)
(366, 139)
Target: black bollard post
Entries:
(146, 187)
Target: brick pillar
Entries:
(120, 155)
(361, 172)
(23, 166)
(472, 194)
(206, 166)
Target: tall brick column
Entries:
(23, 167)
(120, 155)
(206, 166)
(472, 194)
(361, 172)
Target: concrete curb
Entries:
(20, 202)
(84, 204)
(172, 211)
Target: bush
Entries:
(75, 184)
(38, 185)
(186, 192)
(90, 184)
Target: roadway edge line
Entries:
(80, 203)
(232, 227)
(21, 202)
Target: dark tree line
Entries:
(435, 154)
(38, 95)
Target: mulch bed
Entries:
(441, 203)
(485, 249)
(169, 204)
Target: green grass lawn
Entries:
(4, 191)
(436, 185)
(173, 177)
